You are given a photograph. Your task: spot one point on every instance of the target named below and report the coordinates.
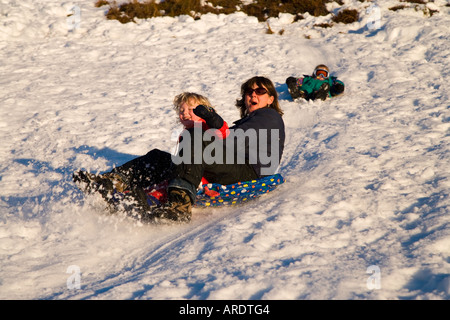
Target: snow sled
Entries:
(215, 195)
(141, 202)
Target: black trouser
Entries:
(153, 168)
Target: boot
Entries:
(119, 182)
(105, 184)
(293, 89)
(178, 208)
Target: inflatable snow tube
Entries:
(215, 195)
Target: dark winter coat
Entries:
(249, 145)
(259, 120)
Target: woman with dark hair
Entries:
(259, 82)
(249, 150)
(254, 145)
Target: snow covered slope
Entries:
(368, 179)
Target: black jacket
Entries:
(255, 145)
(264, 134)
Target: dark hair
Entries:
(260, 82)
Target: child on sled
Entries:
(320, 85)
(145, 178)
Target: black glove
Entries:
(322, 93)
(337, 88)
(212, 119)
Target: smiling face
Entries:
(186, 114)
(256, 99)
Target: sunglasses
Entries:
(258, 91)
(321, 72)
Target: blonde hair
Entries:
(190, 98)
